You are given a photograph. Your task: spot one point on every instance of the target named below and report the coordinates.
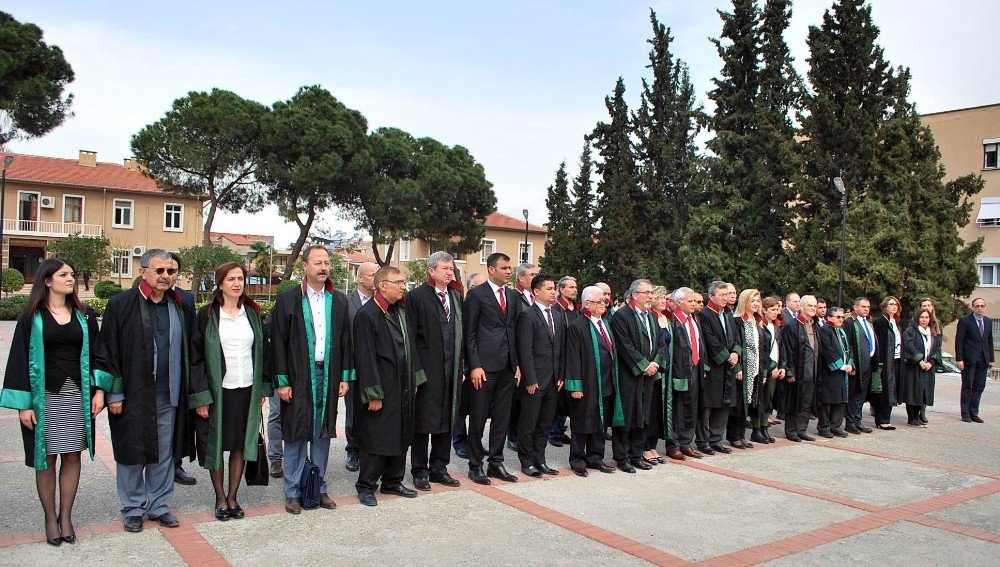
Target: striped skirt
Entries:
(65, 431)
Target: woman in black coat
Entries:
(49, 375)
(921, 356)
(887, 369)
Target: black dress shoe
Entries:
(222, 514)
(71, 539)
(236, 512)
(825, 434)
(602, 466)
(641, 464)
(565, 438)
(885, 427)
(721, 449)
(352, 463)
(581, 472)
(767, 434)
(966, 418)
(276, 469)
(839, 433)
(794, 438)
(421, 483)
(806, 437)
(133, 524)
(531, 470)
(626, 467)
(555, 442)
(689, 452)
(166, 520)
(443, 478)
(758, 436)
(367, 498)
(706, 450)
(399, 490)
(182, 477)
(477, 476)
(54, 541)
(547, 469)
(498, 471)
(974, 418)
(864, 428)
(852, 429)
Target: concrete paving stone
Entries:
(861, 477)
(902, 543)
(454, 528)
(685, 512)
(148, 547)
(939, 448)
(981, 513)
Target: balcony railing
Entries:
(17, 227)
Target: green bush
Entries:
(265, 307)
(135, 282)
(97, 304)
(11, 307)
(13, 280)
(107, 289)
(287, 285)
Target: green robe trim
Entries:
(372, 393)
(618, 420)
(319, 410)
(456, 377)
(667, 391)
(574, 386)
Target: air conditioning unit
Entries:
(48, 202)
(138, 251)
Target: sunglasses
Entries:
(161, 271)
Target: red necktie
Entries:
(694, 342)
(503, 300)
(604, 335)
(444, 303)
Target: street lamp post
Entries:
(524, 257)
(838, 182)
(7, 160)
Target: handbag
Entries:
(256, 472)
(309, 486)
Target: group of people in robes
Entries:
(425, 369)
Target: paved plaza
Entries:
(913, 497)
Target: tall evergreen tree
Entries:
(621, 236)
(902, 231)
(557, 260)
(582, 226)
(666, 123)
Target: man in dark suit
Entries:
(718, 384)
(489, 322)
(181, 476)
(460, 433)
(792, 304)
(861, 338)
(524, 274)
(974, 354)
(360, 296)
(541, 335)
(688, 362)
(639, 349)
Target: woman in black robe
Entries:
(50, 381)
(888, 367)
(660, 409)
(921, 356)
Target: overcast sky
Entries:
(518, 83)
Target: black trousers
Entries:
(515, 418)
(973, 385)
(460, 429)
(492, 401)
(587, 449)
(799, 422)
(713, 425)
(351, 448)
(831, 417)
(440, 454)
(913, 412)
(372, 468)
(627, 444)
(856, 398)
(537, 412)
(736, 425)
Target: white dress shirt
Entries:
(774, 341)
(236, 336)
(317, 305)
(899, 339)
(496, 288)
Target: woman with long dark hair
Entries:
(50, 382)
(228, 385)
(921, 356)
(889, 351)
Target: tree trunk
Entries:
(388, 253)
(206, 233)
(297, 247)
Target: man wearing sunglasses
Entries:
(143, 336)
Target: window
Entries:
(996, 334)
(121, 258)
(72, 208)
(489, 247)
(990, 155)
(123, 213)
(173, 217)
(524, 255)
(404, 248)
(988, 275)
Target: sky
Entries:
(518, 83)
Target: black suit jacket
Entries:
(969, 344)
(489, 333)
(541, 355)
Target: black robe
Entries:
(24, 383)
(916, 386)
(885, 357)
(294, 361)
(795, 352)
(438, 343)
(127, 355)
(387, 370)
(584, 373)
(835, 352)
(718, 384)
(752, 387)
(632, 349)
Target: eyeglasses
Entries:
(161, 271)
(397, 282)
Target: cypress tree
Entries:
(558, 238)
(585, 266)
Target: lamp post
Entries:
(524, 257)
(7, 160)
(838, 182)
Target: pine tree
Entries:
(558, 238)
(585, 266)
(621, 236)
(666, 123)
